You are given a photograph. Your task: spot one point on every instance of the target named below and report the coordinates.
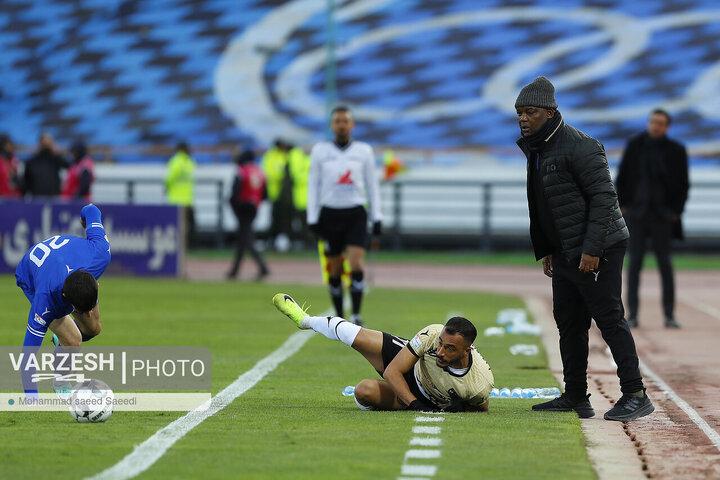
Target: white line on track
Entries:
(702, 306)
(684, 406)
(148, 452)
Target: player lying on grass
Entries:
(439, 369)
(59, 278)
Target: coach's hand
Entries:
(547, 266)
(456, 403)
(588, 263)
(377, 229)
(315, 229)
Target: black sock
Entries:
(357, 286)
(336, 294)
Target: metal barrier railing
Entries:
(481, 199)
(130, 196)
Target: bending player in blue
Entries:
(59, 278)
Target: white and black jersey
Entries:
(342, 178)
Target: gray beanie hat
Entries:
(539, 93)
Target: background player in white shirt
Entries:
(439, 369)
(341, 182)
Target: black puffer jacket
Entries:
(580, 194)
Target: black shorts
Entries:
(342, 227)
(390, 348)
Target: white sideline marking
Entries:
(419, 470)
(429, 419)
(148, 452)
(426, 441)
(701, 306)
(422, 454)
(684, 406)
(428, 430)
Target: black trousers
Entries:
(245, 213)
(659, 231)
(578, 297)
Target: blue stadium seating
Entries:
(144, 73)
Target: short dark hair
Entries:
(81, 290)
(340, 108)
(246, 156)
(462, 326)
(660, 111)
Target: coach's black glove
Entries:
(377, 229)
(315, 228)
(456, 403)
(420, 406)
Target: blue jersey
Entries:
(43, 270)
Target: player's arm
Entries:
(400, 365)
(373, 189)
(313, 188)
(34, 335)
(91, 219)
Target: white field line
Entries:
(420, 453)
(426, 430)
(419, 470)
(702, 306)
(425, 470)
(429, 419)
(426, 441)
(148, 452)
(684, 406)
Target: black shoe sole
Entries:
(581, 412)
(640, 412)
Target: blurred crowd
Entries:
(41, 175)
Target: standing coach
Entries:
(578, 231)
(652, 186)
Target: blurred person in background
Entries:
(342, 181)
(279, 191)
(80, 175)
(578, 231)
(299, 167)
(652, 186)
(248, 191)
(42, 172)
(9, 179)
(180, 186)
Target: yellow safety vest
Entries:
(180, 179)
(273, 164)
(299, 171)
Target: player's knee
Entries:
(366, 392)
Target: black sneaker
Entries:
(565, 404)
(632, 322)
(670, 322)
(630, 407)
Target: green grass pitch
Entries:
(294, 424)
